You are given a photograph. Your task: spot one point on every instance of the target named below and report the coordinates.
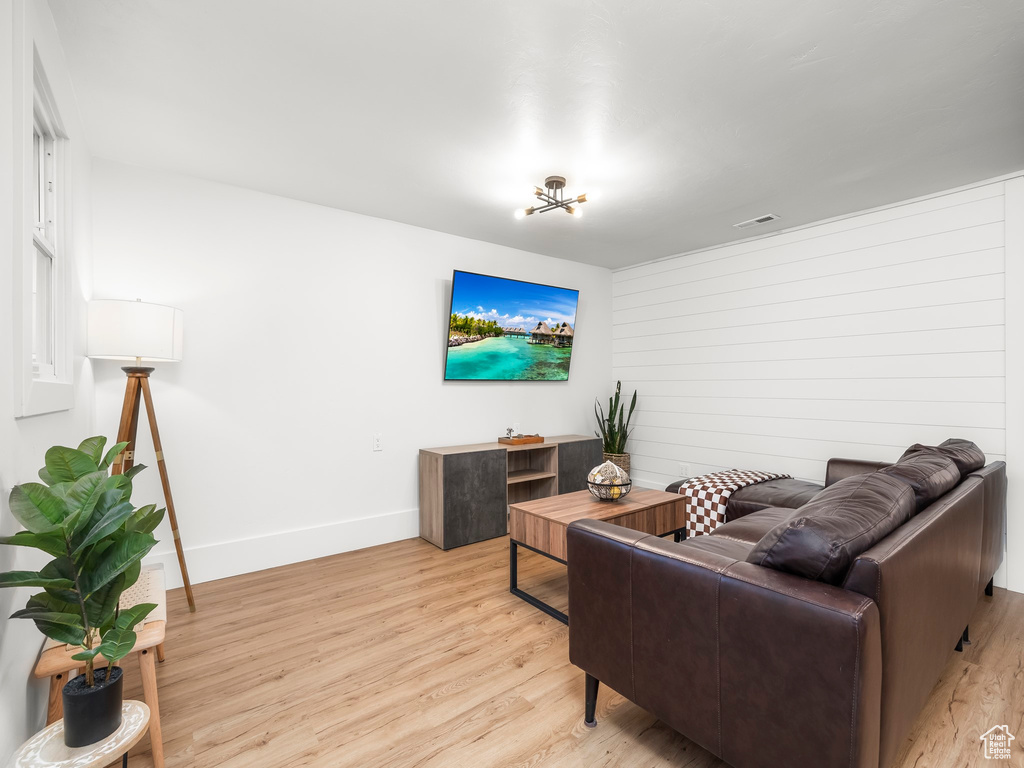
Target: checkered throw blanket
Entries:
(707, 496)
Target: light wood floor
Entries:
(404, 655)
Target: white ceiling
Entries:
(684, 117)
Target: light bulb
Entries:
(578, 212)
(520, 213)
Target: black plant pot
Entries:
(91, 714)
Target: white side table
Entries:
(47, 750)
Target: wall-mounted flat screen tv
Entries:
(509, 330)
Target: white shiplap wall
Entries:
(849, 338)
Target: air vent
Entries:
(754, 222)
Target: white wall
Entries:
(855, 337)
(24, 441)
(308, 329)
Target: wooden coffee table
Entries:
(540, 526)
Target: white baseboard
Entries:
(209, 562)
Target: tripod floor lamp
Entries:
(141, 332)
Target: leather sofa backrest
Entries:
(930, 474)
(993, 478)
(924, 579)
(840, 469)
(967, 456)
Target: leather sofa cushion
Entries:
(784, 492)
(751, 528)
(718, 545)
(930, 474)
(967, 456)
(825, 535)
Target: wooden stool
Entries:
(47, 750)
(56, 663)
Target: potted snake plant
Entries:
(83, 518)
(615, 428)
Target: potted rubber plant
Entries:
(615, 428)
(82, 517)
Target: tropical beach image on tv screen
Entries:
(509, 330)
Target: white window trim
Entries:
(32, 395)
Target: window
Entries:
(45, 232)
(43, 269)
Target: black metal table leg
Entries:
(513, 580)
(124, 760)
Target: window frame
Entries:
(43, 226)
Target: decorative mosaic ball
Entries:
(608, 474)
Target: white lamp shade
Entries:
(130, 330)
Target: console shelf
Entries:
(526, 475)
(465, 490)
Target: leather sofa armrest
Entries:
(757, 666)
(812, 646)
(600, 610)
(840, 469)
(675, 486)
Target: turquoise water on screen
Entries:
(509, 360)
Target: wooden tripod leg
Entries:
(172, 518)
(129, 426)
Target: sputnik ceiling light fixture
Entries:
(553, 197)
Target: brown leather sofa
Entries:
(804, 635)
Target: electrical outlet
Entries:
(378, 441)
(515, 427)
(684, 470)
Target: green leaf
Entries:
(87, 655)
(47, 602)
(599, 412)
(82, 500)
(131, 574)
(45, 476)
(65, 627)
(71, 619)
(108, 459)
(85, 492)
(33, 579)
(107, 500)
(146, 519)
(129, 549)
(93, 448)
(101, 605)
(129, 617)
(133, 470)
(50, 543)
(106, 525)
(117, 643)
(37, 507)
(60, 490)
(119, 640)
(62, 633)
(58, 569)
(122, 484)
(67, 464)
